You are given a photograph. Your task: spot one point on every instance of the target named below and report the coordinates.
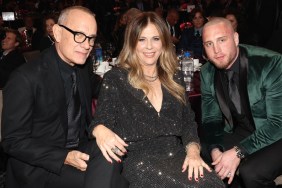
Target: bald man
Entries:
(47, 110)
(241, 89)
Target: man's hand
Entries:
(77, 159)
(225, 163)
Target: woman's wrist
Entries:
(193, 148)
(96, 129)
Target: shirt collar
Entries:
(65, 69)
(236, 66)
(199, 29)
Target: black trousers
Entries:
(260, 169)
(257, 170)
(99, 174)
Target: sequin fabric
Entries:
(155, 152)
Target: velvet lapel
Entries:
(245, 103)
(55, 81)
(219, 79)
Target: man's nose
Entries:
(216, 48)
(86, 44)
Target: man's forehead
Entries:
(77, 17)
(79, 13)
(215, 28)
(10, 34)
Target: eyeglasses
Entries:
(80, 37)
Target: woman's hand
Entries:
(110, 144)
(194, 163)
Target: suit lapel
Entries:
(219, 78)
(55, 81)
(245, 103)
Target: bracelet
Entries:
(190, 144)
(239, 153)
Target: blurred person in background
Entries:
(191, 38)
(27, 32)
(48, 38)
(129, 15)
(10, 59)
(241, 27)
(173, 26)
(159, 11)
(119, 30)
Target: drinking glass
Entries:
(188, 72)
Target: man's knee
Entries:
(104, 174)
(247, 170)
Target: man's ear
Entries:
(57, 31)
(17, 44)
(204, 54)
(236, 38)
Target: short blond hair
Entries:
(65, 13)
(218, 20)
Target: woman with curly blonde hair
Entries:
(143, 118)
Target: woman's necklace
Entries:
(151, 78)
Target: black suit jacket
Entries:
(177, 30)
(8, 63)
(35, 122)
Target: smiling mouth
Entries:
(83, 54)
(149, 54)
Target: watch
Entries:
(239, 153)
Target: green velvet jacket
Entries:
(261, 97)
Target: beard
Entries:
(222, 66)
(224, 63)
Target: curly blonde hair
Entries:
(167, 62)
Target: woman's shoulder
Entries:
(116, 73)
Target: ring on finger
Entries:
(229, 174)
(115, 150)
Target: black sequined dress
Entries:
(155, 152)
